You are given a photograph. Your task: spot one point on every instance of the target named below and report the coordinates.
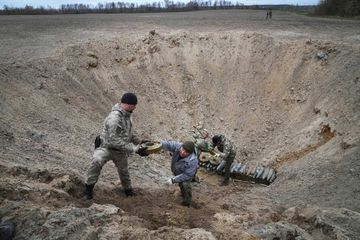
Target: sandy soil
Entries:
(31, 37)
(287, 91)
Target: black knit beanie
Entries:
(129, 98)
(216, 139)
(188, 146)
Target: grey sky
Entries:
(57, 3)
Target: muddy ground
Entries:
(286, 91)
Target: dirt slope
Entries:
(287, 94)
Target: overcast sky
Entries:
(57, 3)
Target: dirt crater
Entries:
(272, 97)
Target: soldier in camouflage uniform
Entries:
(201, 145)
(199, 137)
(115, 143)
(228, 153)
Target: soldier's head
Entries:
(204, 134)
(128, 101)
(216, 140)
(187, 148)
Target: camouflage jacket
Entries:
(117, 131)
(227, 147)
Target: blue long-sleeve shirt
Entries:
(184, 169)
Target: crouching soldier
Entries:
(183, 165)
(228, 153)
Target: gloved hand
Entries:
(142, 152)
(170, 181)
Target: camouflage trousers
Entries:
(228, 161)
(186, 194)
(102, 156)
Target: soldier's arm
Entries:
(170, 145)
(135, 139)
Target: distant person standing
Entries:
(270, 13)
(267, 14)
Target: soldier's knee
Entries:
(97, 164)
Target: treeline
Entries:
(343, 8)
(123, 7)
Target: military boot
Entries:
(88, 192)
(129, 192)
(225, 182)
(7, 229)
